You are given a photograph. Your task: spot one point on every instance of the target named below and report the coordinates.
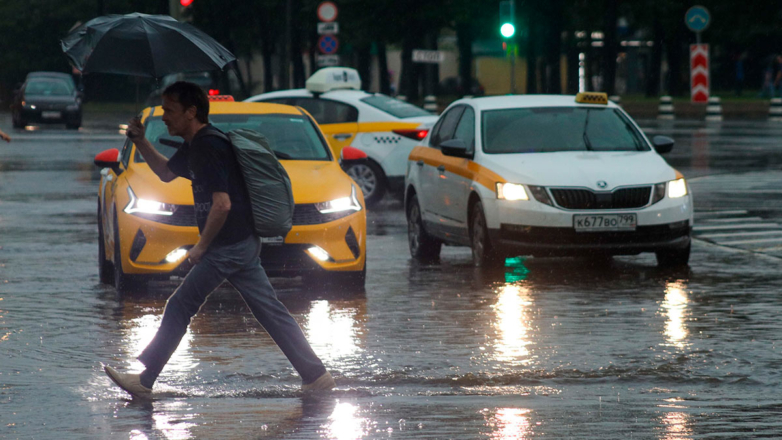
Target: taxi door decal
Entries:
(339, 135)
(466, 168)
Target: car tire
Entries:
(673, 258)
(423, 246)
(371, 179)
(483, 252)
(123, 282)
(105, 268)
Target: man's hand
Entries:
(136, 130)
(4, 136)
(196, 253)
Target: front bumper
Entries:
(50, 115)
(553, 241)
(146, 243)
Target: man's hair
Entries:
(189, 94)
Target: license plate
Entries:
(604, 222)
(272, 240)
(51, 115)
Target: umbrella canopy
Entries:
(143, 45)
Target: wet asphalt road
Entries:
(544, 348)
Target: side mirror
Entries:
(108, 159)
(351, 156)
(455, 148)
(663, 144)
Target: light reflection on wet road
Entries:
(558, 348)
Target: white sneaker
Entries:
(128, 382)
(324, 383)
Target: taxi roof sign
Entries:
(334, 78)
(592, 98)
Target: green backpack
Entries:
(268, 185)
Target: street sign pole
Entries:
(697, 19)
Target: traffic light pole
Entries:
(508, 31)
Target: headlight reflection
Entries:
(344, 423)
(140, 333)
(332, 333)
(509, 424)
(674, 308)
(512, 324)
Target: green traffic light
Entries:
(507, 30)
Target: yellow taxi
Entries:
(146, 226)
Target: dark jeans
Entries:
(240, 264)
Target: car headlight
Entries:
(342, 204)
(145, 206)
(511, 191)
(677, 188)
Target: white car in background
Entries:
(549, 176)
(385, 128)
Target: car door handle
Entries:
(342, 136)
(420, 163)
(441, 168)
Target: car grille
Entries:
(308, 214)
(304, 214)
(622, 198)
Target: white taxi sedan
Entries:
(384, 128)
(545, 176)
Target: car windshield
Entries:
(291, 137)
(47, 87)
(550, 129)
(395, 107)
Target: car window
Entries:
(292, 137)
(550, 129)
(47, 87)
(286, 101)
(466, 129)
(326, 111)
(395, 107)
(446, 126)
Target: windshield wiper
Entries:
(587, 143)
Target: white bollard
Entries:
(714, 109)
(430, 103)
(665, 109)
(775, 110)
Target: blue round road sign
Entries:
(328, 44)
(697, 18)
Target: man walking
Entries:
(227, 247)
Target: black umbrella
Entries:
(143, 45)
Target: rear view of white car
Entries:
(545, 176)
(384, 128)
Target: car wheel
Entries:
(422, 245)
(105, 268)
(371, 179)
(673, 257)
(483, 253)
(123, 282)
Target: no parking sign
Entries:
(328, 44)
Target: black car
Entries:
(47, 99)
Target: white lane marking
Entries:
(728, 220)
(740, 226)
(732, 243)
(708, 213)
(740, 234)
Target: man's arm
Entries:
(221, 206)
(156, 161)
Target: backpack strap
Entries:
(211, 130)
